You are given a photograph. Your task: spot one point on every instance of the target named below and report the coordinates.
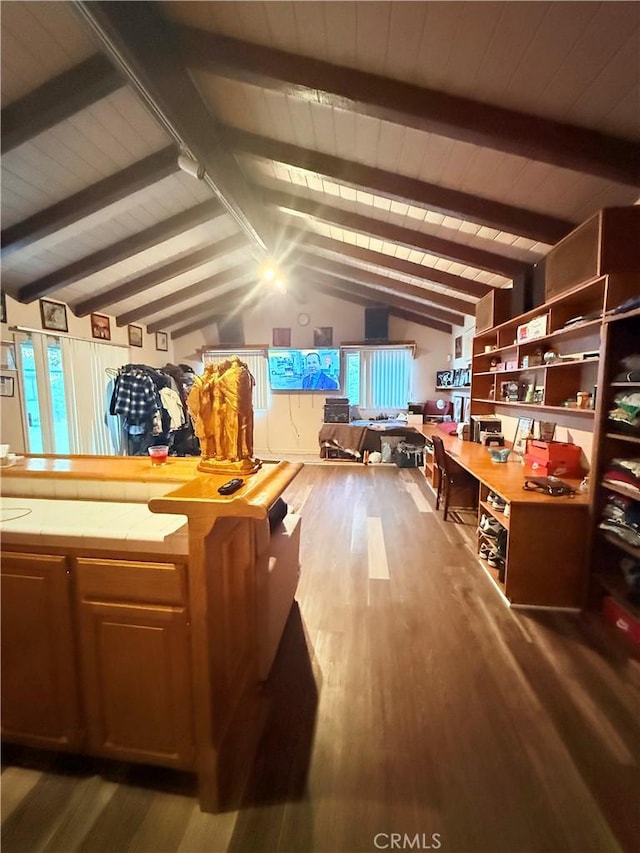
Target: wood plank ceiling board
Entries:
(229, 269)
(124, 219)
(221, 282)
(39, 41)
(97, 142)
(189, 228)
(479, 123)
(179, 271)
(201, 239)
(395, 185)
(226, 298)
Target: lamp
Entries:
(190, 165)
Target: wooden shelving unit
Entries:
(621, 337)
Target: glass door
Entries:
(44, 401)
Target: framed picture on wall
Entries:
(101, 327)
(53, 316)
(162, 341)
(457, 347)
(323, 336)
(7, 386)
(282, 337)
(3, 307)
(458, 408)
(135, 336)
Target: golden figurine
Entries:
(222, 411)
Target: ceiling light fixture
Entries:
(190, 165)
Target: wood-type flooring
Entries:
(408, 708)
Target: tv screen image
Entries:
(304, 369)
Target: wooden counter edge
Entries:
(200, 496)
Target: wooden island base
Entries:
(147, 647)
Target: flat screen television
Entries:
(304, 369)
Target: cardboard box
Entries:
(414, 420)
(616, 615)
(554, 458)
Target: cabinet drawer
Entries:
(130, 580)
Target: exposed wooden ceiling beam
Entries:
(457, 252)
(386, 287)
(387, 299)
(310, 240)
(483, 211)
(337, 293)
(103, 258)
(233, 275)
(57, 99)
(218, 316)
(152, 278)
(139, 39)
(455, 117)
(320, 261)
(228, 298)
(109, 190)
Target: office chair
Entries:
(455, 485)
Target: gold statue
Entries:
(220, 405)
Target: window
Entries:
(256, 361)
(378, 377)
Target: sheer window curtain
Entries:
(386, 377)
(86, 379)
(256, 361)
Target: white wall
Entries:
(28, 316)
(292, 421)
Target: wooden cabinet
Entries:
(136, 662)
(40, 703)
(506, 365)
(615, 440)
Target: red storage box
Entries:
(616, 615)
(555, 458)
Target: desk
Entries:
(356, 437)
(546, 557)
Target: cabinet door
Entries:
(39, 680)
(137, 682)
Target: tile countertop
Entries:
(91, 524)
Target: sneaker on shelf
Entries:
(494, 561)
(507, 511)
(485, 551)
(491, 526)
(499, 504)
(491, 498)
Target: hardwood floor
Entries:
(406, 699)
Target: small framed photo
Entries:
(135, 336)
(282, 337)
(457, 347)
(323, 336)
(7, 386)
(101, 327)
(3, 307)
(162, 341)
(524, 430)
(7, 355)
(53, 316)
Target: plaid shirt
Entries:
(134, 397)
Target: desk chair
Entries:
(455, 485)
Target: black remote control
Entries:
(231, 486)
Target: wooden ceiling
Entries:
(404, 153)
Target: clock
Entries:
(303, 319)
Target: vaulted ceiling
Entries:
(414, 154)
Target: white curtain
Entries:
(88, 367)
(385, 377)
(256, 361)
